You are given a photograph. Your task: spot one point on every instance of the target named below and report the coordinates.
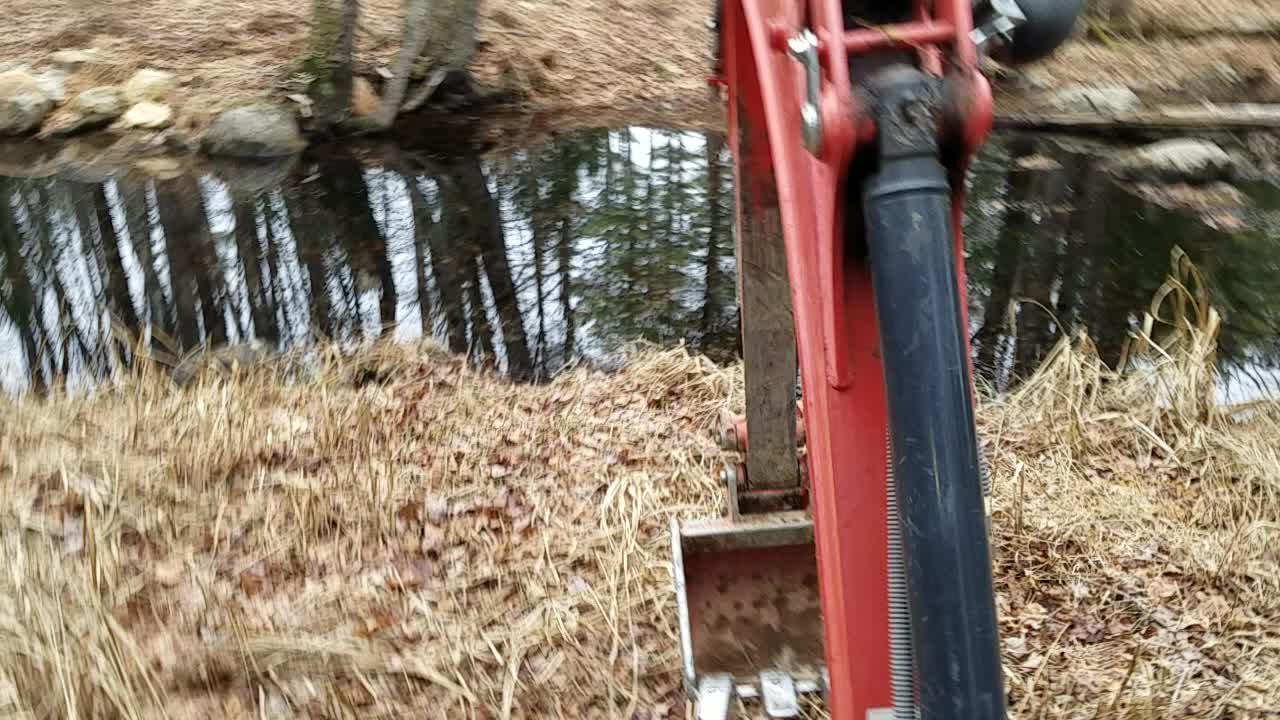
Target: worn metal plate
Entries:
(753, 605)
(715, 693)
(778, 690)
(762, 530)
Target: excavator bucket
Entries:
(749, 611)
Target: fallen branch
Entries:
(1165, 119)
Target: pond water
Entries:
(569, 251)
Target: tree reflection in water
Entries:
(561, 253)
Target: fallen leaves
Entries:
(1162, 588)
(251, 583)
(378, 550)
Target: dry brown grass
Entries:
(391, 534)
(1138, 528)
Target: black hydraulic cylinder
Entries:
(907, 206)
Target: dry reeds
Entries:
(391, 533)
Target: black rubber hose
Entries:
(907, 205)
(1049, 23)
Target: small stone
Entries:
(148, 116)
(256, 130)
(1105, 99)
(1184, 160)
(148, 85)
(71, 59)
(54, 84)
(103, 102)
(23, 103)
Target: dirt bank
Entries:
(395, 535)
(562, 55)
(598, 62)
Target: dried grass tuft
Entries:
(389, 532)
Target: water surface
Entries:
(568, 251)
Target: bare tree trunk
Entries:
(450, 44)
(312, 233)
(446, 264)
(328, 62)
(193, 263)
(437, 42)
(346, 196)
(412, 42)
(116, 280)
(564, 255)
(133, 196)
(251, 257)
(17, 292)
(481, 331)
(484, 228)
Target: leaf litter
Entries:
(293, 540)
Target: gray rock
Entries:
(23, 104)
(257, 130)
(71, 59)
(105, 101)
(1183, 160)
(54, 84)
(93, 108)
(148, 116)
(148, 85)
(1106, 99)
(7, 65)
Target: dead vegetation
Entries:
(606, 62)
(389, 534)
(559, 56)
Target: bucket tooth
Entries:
(715, 694)
(778, 692)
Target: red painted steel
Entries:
(866, 40)
(844, 406)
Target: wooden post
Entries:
(768, 330)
